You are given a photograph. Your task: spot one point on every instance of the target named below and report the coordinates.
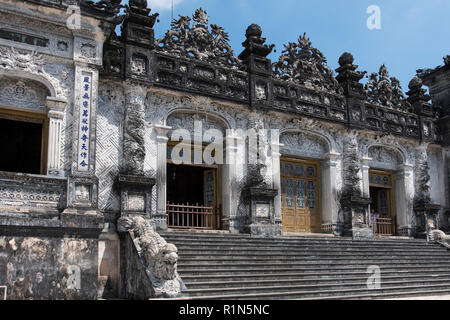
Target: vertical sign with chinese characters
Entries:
(84, 121)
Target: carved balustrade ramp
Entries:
(227, 266)
(150, 264)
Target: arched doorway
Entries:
(194, 186)
(302, 176)
(388, 186)
(25, 123)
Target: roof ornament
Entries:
(110, 7)
(192, 38)
(385, 90)
(302, 63)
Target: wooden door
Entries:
(300, 196)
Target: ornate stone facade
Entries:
(111, 104)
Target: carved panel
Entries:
(303, 144)
(23, 93)
(384, 158)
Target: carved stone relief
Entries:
(384, 158)
(23, 93)
(303, 144)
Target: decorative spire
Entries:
(110, 7)
(302, 63)
(254, 44)
(347, 76)
(138, 12)
(417, 96)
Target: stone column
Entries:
(275, 148)
(160, 218)
(365, 176)
(229, 182)
(404, 199)
(329, 205)
(134, 129)
(56, 110)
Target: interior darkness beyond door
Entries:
(21, 146)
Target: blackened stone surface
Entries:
(47, 268)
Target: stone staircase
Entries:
(232, 267)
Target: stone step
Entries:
(309, 282)
(254, 241)
(311, 288)
(197, 245)
(338, 294)
(225, 266)
(225, 248)
(305, 265)
(188, 255)
(310, 260)
(193, 278)
(318, 237)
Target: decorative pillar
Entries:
(329, 197)
(56, 109)
(365, 176)
(259, 67)
(160, 217)
(135, 187)
(275, 148)
(82, 195)
(229, 183)
(349, 79)
(403, 199)
(426, 212)
(354, 204)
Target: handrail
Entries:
(185, 216)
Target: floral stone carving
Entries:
(386, 91)
(197, 41)
(302, 63)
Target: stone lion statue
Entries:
(160, 258)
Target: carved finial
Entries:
(348, 77)
(346, 59)
(417, 96)
(415, 83)
(254, 44)
(447, 60)
(139, 4)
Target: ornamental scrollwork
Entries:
(197, 40)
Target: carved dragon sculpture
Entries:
(440, 237)
(160, 258)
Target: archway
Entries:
(307, 182)
(24, 121)
(387, 182)
(197, 179)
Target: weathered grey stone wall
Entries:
(38, 268)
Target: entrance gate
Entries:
(300, 183)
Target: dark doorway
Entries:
(185, 184)
(381, 201)
(21, 146)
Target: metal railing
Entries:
(384, 226)
(185, 216)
